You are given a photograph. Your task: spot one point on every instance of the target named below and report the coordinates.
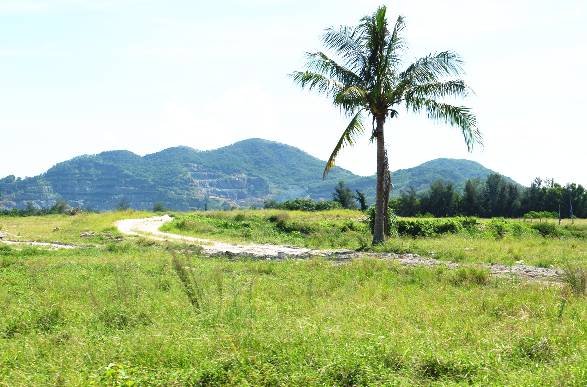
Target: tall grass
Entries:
(126, 316)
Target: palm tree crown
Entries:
(368, 79)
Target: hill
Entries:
(245, 173)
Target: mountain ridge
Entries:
(241, 174)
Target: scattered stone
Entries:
(87, 234)
(150, 228)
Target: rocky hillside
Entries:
(245, 173)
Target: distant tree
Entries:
(158, 207)
(344, 196)
(360, 197)
(408, 203)
(123, 204)
(60, 207)
(472, 198)
(441, 199)
(501, 197)
(368, 80)
(30, 208)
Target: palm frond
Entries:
(454, 88)
(433, 67)
(322, 64)
(351, 98)
(314, 81)
(459, 116)
(354, 128)
(396, 45)
(347, 42)
(375, 32)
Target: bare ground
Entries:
(149, 228)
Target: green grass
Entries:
(324, 229)
(494, 241)
(65, 228)
(121, 313)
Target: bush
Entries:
(547, 229)
(423, 227)
(499, 227)
(428, 227)
(158, 207)
(540, 215)
(415, 227)
(303, 205)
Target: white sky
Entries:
(84, 76)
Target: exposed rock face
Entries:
(245, 173)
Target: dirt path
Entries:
(53, 246)
(149, 228)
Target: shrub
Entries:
(158, 207)
(547, 229)
(416, 228)
(447, 226)
(540, 215)
(239, 217)
(303, 205)
(469, 222)
(428, 227)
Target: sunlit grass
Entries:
(65, 228)
(348, 229)
(120, 313)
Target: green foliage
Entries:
(362, 200)
(365, 78)
(303, 205)
(540, 215)
(576, 279)
(92, 316)
(159, 207)
(323, 229)
(470, 276)
(344, 196)
(439, 369)
(534, 349)
(547, 229)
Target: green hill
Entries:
(242, 174)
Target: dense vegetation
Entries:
(245, 173)
(125, 311)
(496, 196)
(463, 239)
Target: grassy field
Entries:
(129, 311)
(348, 229)
(67, 229)
(114, 315)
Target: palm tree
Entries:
(368, 81)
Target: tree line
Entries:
(495, 196)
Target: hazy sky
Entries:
(84, 76)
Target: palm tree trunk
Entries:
(379, 227)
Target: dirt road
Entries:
(149, 228)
